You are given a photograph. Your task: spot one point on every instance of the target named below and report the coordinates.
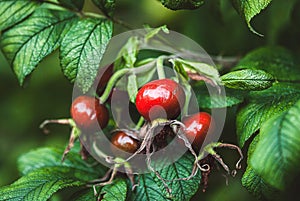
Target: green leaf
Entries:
(27, 43)
(51, 157)
(115, 191)
(40, 184)
(262, 105)
(276, 61)
(182, 4)
(146, 76)
(181, 190)
(154, 31)
(256, 185)
(73, 4)
(84, 195)
(277, 155)
(132, 87)
(147, 190)
(82, 49)
(253, 182)
(106, 6)
(248, 79)
(128, 54)
(151, 188)
(250, 8)
(230, 98)
(203, 69)
(14, 11)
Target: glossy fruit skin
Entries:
(88, 113)
(197, 126)
(160, 99)
(124, 142)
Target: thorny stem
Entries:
(147, 139)
(112, 176)
(75, 132)
(111, 173)
(105, 177)
(178, 128)
(56, 121)
(209, 149)
(181, 135)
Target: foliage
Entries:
(263, 87)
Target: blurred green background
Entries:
(215, 26)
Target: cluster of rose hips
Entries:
(162, 98)
(159, 103)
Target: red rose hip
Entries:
(197, 126)
(160, 99)
(88, 113)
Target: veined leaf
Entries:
(182, 4)
(250, 8)
(132, 87)
(248, 79)
(181, 190)
(252, 181)
(151, 188)
(51, 157)
(82, 49)
(277, 61)
(256, 185)
(128, 54)
(13, 11)
(114, 192)
(262, 105)
(230, 98)
(203, 69)
(277, 154)
(154, 32)
(27, 43)
(40, 184)
(148, 190)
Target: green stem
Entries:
(140, 123)
(209, 149)
(185, 108)
(96, 15)
(117, 75)
(160, 67)
(111, 83)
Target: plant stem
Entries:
(111, 83)
(160, 67)
(140, 123)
